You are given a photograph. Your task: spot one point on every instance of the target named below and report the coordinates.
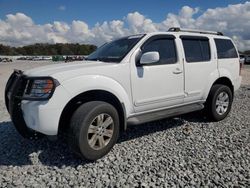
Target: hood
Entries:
(62, 71)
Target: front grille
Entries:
(17, 84)
(14, 88)
(22, 82)
(13, 96)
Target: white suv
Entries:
(132, 80)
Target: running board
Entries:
(162, 114)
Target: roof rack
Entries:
(178, 29)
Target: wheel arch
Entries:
(91, 95)
(223, 81)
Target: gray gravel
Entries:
(177, 152)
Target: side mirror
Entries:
(149, 57)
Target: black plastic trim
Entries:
(13, 104)
(193, 37)
(162, 114)
(155, 37)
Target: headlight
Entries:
(39, 88)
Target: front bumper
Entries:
(13, 90)
(40, 118)
(31, 118)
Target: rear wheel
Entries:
(94, 129)
(219, 102)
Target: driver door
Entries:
(159, 84)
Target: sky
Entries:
(24, 22)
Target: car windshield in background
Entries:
(115, 51)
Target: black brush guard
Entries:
(13, 96)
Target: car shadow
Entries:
(17, 151)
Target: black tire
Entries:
(210, 105)
(79, 125)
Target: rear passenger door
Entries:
(199, 65)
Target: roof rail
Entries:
(178, 29)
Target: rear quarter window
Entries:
(225, 49)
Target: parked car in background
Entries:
(35, 58)
(47, 58)
(5, 60)
(21, 58)
(132, 80)
(74, 58)
(247, 59)
(58, 58)
(242, 58)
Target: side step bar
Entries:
(153, 116)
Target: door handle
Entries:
(177, 71)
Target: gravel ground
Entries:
(176, 152)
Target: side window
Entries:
(166, 49)
(205, 48)
(196, 49)
(225, 49)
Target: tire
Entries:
(86, 125)
(212, 109)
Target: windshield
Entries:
(115, 51)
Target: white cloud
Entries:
(19, 29)
(139, 24)
(62, 8)
(61, 27)
(79, 27)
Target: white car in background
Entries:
(132, 80)
(242, 59)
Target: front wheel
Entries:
(219, 102)
(94, 129)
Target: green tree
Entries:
(48, 49)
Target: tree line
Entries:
(54, 49)
(246, 52)
(48, 49)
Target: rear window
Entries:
(196, 49)
(225, 49)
